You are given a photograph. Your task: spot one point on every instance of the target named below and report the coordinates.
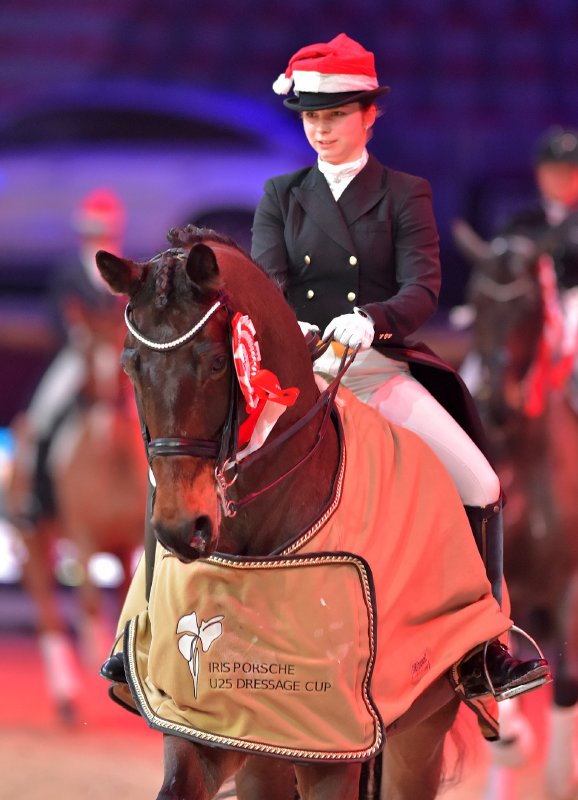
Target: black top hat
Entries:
(329, 75)
(316, 101)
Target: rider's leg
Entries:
(486, 523)
(403, 400)
(388, 386)
(406, 402)
(50, 404)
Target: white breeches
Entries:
(59, 384)
(388, 386)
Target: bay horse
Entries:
(98, 476)
(201, 319)
(533, 434)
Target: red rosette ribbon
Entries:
(246, 356)
(260, 387)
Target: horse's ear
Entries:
(202, 268)
(123, 276)
(468, 242)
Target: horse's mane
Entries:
(181, 240)
(190, 235)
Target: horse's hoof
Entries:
(113, 669)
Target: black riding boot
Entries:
(113, 669)
(487, 526)
(491, 668)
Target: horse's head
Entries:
(178, 354)
(504, 292)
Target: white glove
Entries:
(351, 330)
(307, 328)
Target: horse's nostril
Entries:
(201, 535)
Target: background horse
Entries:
(186, 386)
(533, 434)
(98, 474)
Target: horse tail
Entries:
(455, 752)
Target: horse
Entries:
(533, 434)
(98, 476)
(250, 482)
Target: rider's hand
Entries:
(351, 330)
(307, 328)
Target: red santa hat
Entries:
(330, 74)
(101, 213)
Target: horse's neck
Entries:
(292, 506)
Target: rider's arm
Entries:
(268, 242)
(417, 264)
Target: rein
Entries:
(327, 399)
(224, 450)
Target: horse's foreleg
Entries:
(94, 629)
(413, 759)
(55, 645)
(328, 781)
(193, 772)
(263, 778)
(38, 579)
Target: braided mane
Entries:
(181, 241)
(190, 235)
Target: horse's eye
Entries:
(218, 364)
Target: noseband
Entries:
(224, 450)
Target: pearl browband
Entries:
(172, 345)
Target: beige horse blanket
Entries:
(311, 653)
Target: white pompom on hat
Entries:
(330, 74)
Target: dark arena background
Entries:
(169, 104)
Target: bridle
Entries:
(224, 449)
(505, 292)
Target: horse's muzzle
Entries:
(188, 541)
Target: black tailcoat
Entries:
(377, 248)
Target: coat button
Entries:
(351, 296)
(307, 260)
(310, 294)
(353, 261)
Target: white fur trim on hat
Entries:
(311, 81)
(283, 84)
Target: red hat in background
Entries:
(330, 74)
(100, 214)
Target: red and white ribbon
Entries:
(265, 399)
(558, 345)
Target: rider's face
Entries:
(558, 181)
(338, 135)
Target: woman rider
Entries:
(354, 246)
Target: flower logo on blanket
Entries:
(264, 397)
(195, 634)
